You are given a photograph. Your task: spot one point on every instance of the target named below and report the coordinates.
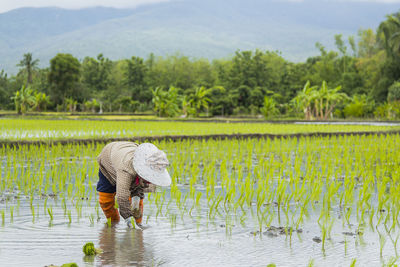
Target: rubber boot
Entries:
(107, 204)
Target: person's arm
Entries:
(150, 189)
(124, 180)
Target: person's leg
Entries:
(107, 198)
(107, 204)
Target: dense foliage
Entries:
(360, 79)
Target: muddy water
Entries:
(175, 238)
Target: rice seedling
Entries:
(133, 223)
(382, 241)
(69, 217)
(89, 249)
(2, 217)
(392, 262)
(91, 219)
(11, 214)
(240, 183)
(50, 212)
(42, 129)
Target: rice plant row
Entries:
(257, 182)
(39, 129)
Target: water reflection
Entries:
(123, 247)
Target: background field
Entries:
(41, 129)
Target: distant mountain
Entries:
(196, 28)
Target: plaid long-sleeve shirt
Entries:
(115, 162)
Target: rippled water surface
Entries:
(189, 240)
(221, 209)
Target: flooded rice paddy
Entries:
(291, 202)
(192, 241)
(367, 123)
(42, 129)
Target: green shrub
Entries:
(240, 110)
(394, 92)
(394, 110)
(359, 107)
(381, 111)
(388, 111)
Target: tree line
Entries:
(361, 78)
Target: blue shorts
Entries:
(103, 185)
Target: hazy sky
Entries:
(6, 5)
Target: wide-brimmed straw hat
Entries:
(150, 163)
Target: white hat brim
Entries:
(160, 178)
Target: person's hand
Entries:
(137, 209)
(128, 222)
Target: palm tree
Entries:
(318, 97)
(159, 99)
(199, 99)
(269, 107)
(166, 103)
(23, 99)
(17, 101)
(304, 99)
(29, 65)
(71, 104)
(187, 109)
(318, 103)
(389, 30)
(41, 101)
(91, 105)
(332, 98)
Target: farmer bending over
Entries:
(128, 170)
